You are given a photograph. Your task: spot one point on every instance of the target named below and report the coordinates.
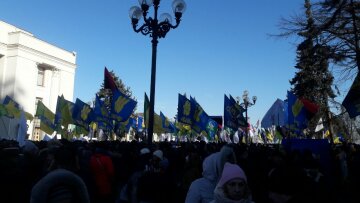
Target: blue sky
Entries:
(219, 48)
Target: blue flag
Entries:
(101, 114)
(211, 128)
(12, 107)
(296, 112)
(122, 106)
(233, 114)
(166, 124)
(82, 113)
(352, 99)
(63, 114)
(200, 119)
(185, 110)
(130, 123)
(140, 121)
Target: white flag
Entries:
(319, 126)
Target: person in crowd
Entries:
(202, 189)
(61, 184)
(232, 186)
(102, 169)
(155, 185)
(129, 191)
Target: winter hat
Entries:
(30, 148)
(231, 171)
(158, 153)
(144, 150)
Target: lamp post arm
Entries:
(176, 25)
(145, 29)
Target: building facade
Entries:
(32, 70)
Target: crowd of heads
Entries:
(114, 171)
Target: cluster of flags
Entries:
(161, 123)
(300, 111)
(84, 117)
(11, 109)
(191, 113)
(294, 113)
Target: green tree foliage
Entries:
(313, 79)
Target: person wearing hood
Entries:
(202, 189)
(232, 186)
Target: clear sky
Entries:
(220, 47)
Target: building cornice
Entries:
(41, 54)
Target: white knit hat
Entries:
(158, 153)
(144, 150)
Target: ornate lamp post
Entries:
(246, 104)
(156, 28)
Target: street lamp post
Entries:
(246, 104)
(156, 28)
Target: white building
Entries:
(32, 70)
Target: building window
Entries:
(41, 76)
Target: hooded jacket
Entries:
(60, 185)
(202, 190)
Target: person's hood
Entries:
(212, 167)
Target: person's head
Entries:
(234, 182)
(157, 158)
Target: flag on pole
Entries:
(109, 82)
(122, 106)
(352, 99)
(200, 119)
(63, 115)
(12, 107)
(166, 124)
(101, 114)
(22, 130)
(233, 114)
(46, 118)
(186, 110)
(296, 112)
(82, 114)
(157, 128)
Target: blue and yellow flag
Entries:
(3, 110)
(239, 117)
(200, 118)
(157, 127)
(46, 118)
(130, 123)
(296, 112)
(352, 99)
(63, 115)
(166, 124)
(186, 110)
(101, 114)
(82, 114)
(212, 128)
(233, 114)
(122, 106)
(12, 107)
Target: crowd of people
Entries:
(191, 172)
